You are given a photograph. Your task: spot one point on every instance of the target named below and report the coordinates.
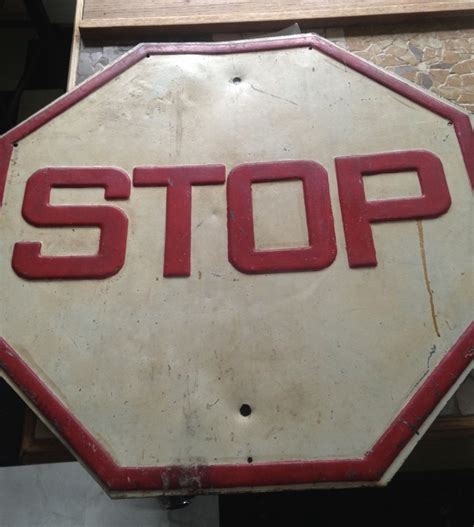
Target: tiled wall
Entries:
(439, 57)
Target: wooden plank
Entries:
(108, 14)
(204, 11)
(39, 445)
(75, 47)
(452, 427)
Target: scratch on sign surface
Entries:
(432, 352)
(272, 95)
(209, 406)
(179, 123)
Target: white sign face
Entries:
(238, 265)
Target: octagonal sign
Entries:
(238, 265)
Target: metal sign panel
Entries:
(238, 265)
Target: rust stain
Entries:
(421, 238)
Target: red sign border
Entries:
(378, 459)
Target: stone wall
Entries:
(439, 57)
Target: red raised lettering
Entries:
(113, 223)
(243, 255)
(179, 181)
(358, 213)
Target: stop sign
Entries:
(238, 265)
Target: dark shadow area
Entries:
(12, 411)
(34, 58)
(434, 499)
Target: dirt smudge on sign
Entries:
(179, 123)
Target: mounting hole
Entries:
(236, 80)
(15, 144)
(450, 123)
(250, 459)
(245, 410)
(147, 55)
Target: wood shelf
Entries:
(105, 17)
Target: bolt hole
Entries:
(450, 123)
(245, 410)
(236, 80)
(147, 55)
(15, 144)
(250, 459)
